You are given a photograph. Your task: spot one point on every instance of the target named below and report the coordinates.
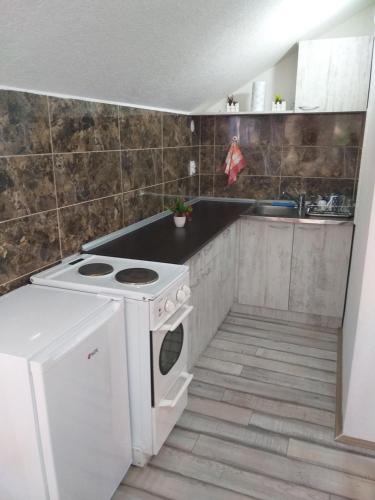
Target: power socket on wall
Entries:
(192, 168)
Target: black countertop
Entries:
(161, 241)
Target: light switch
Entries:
(192, 167)
(192, 126)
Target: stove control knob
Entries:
(180, 295)
(169, 306)
(186, 290)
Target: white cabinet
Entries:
(320, 263)
(333, 74)
(212, 282)
(265, 252)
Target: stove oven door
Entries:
(170, 379)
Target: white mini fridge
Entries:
(64, 406)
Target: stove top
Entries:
(95, 269)
(138, 279)
(137, 276)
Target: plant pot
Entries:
(179, 221)
(233, 108)
(279, 106)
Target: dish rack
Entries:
(344, 211)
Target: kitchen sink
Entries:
(272, 211)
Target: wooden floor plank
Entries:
(268, 390)
(275, 345)
(182, 439)
(335, 459)
(241, 481)
(303, 384)
(203, 390)
(297, 359)
(337, 497)
(279, 337)
(178, 487)
(290, 329)
(129, 493)
(250, 435)
(241, 310)
(292, 427)
(280, 408)
(224, 411)
(219, 366)
(304, 474)
(275, 366)
(292, 359)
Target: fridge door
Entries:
(81, 393)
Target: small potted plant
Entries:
(189, 213)
(232, 105)
(278, 103)
(180, 209)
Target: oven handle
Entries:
(172, 402)
(166, 327)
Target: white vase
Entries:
(179, 221)
(258, 96)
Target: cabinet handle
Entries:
(194, 285)
(308, 108)
(207, 248)
(205, 274)
(278, 226)
(308, 227)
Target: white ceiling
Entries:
(168, 54)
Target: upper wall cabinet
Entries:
(334, 74)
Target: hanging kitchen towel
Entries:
(234, 162)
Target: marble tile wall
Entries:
(72, 170)
(314, 153)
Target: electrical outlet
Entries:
(192, 167)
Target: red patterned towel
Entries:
(234, 162)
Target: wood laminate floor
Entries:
(259, 424)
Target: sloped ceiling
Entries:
(171, 54)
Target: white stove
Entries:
(69, 272)
(156, 299)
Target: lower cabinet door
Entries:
(196, 338)
(320, 266)
(265, 251)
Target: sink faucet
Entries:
(300, 200)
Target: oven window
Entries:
(171, 349)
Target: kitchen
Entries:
(227, 358)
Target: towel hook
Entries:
(234, 138)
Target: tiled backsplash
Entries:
(72, 170)
(314, 153)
